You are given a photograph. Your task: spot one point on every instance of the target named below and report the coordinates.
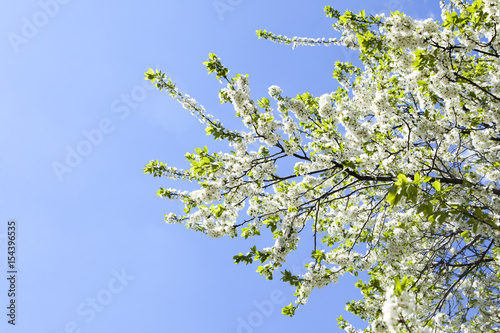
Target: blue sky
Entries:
(94, 254)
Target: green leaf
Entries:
(398, 288)
(437, 185)
(412, 193)
(402, 181)
(288, 310)
(422, 209)
(416, 177)
(392, 195)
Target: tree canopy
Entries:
(396, 172)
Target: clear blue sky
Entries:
(94, 254)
